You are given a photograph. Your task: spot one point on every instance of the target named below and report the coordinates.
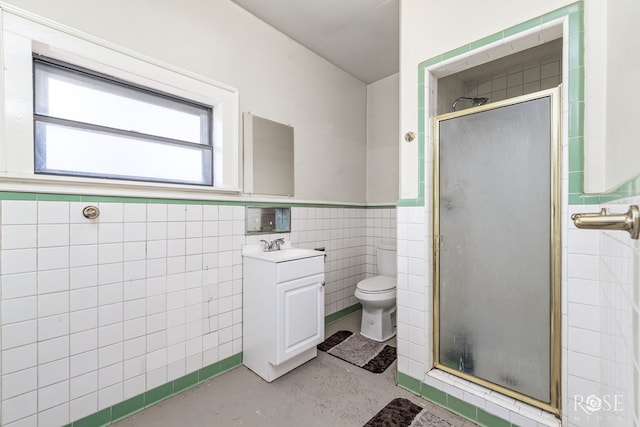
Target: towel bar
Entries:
(603, 220)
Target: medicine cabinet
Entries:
(268, 157)
(261, 220)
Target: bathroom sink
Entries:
(284, 254)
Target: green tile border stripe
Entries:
(630, 188)
(334, 317)
(137, 403)
(451, 403)
(59, 197)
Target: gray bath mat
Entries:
(404, 413)
(360, 351)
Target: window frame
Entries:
(25, 34)
(42, 63)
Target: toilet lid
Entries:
(377, 284)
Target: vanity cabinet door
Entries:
(299, 316)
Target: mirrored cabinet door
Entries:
(268, 157)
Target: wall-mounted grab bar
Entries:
(603, 220)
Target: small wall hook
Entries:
(91, 212)
(409, 136)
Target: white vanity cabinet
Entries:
(283, 306)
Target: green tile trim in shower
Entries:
(575, 88)
(524, 26)
(462, 408)
(137, 403)
(452, 403)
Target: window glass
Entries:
(87, 124)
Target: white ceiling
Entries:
(359, 36)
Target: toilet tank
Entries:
(386, 259)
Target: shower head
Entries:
(474, 101)
(479, 101)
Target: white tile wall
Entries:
(95, 312)
(603, 333)
(349, 236)
(414, 307)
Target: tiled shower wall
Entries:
(96, 312)
(528, 77)
(603, 333)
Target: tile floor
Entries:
(325, 391)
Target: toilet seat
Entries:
(376, 284)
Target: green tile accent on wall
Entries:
(485, 41)
(455, 52)
(593, 200)
(8, 195)
(462, 408)
(89, 198)
(452, 403)
(208, 372)
(575, 58)
(576, 50)
(126, 408)
(101, 418)
(523, 26)
(185, 382)
(576, 121)
(558, 13)
(627, 189)
(576, 84)
(576, 182)
(430, 62)
(334, 317)
(410, 203)
(381, 207)
(576, 22)
(158, 394)
(137, 403)
(434, 395)
(230, 363)
(576, 148)
(408, 383)
(59, 197)
(486, 419)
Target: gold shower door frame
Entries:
(555, 250)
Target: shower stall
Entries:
(497, 246)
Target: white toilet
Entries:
(377, 295)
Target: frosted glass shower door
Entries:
(494, 246)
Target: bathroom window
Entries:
(92, 125)
(80, 113)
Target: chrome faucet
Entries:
(266, 246)
(277, 244)
(274, 245)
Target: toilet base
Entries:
(378, 324)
